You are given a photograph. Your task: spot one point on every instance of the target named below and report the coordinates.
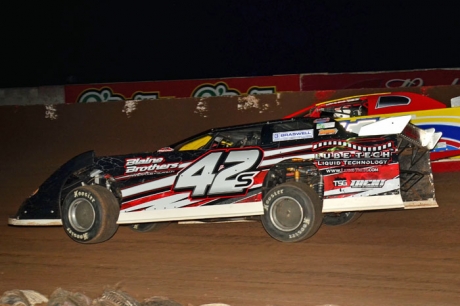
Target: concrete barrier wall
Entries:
(64, 130)
(124, 126)
(32, 95)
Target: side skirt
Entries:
(362, 203)
(193, 213)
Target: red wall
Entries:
(258, 85)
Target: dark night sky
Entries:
(124, 41)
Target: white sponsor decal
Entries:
(367, 183)
(339, 182)
(351, 154)
(143, 161)
(148, 164)
(153, 167)
(293, 135)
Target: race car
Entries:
(291, 174)
(426, 113)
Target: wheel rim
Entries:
(286, 214)
(81, 215)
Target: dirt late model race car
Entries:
(291, 174)
(426, 112)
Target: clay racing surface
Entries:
(384, 258)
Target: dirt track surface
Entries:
(384, 258)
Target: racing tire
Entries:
(292, 212)
(89, 214)
(148, 227)
(337, 219)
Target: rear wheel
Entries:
(292, 212)
(336, 219)
(89, 214)
(148, 227)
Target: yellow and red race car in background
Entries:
(426, 112)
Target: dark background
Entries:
(46, 43)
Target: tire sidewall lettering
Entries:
(82, 236)
(303, 228)
(271, 197)
(83, 194)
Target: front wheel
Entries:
(89, 214)
(292, 212)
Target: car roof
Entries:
(262, 123)
(415, 102)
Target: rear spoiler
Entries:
(401, 125)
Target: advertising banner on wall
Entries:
(383, 79)
(180, 89)
(237, 86)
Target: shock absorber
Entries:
(320, 186)
(297, 175)
(310, 175)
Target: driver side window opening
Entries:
(238, 138)
(388, 101)
(346, 110)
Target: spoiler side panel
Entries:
(392, 125)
